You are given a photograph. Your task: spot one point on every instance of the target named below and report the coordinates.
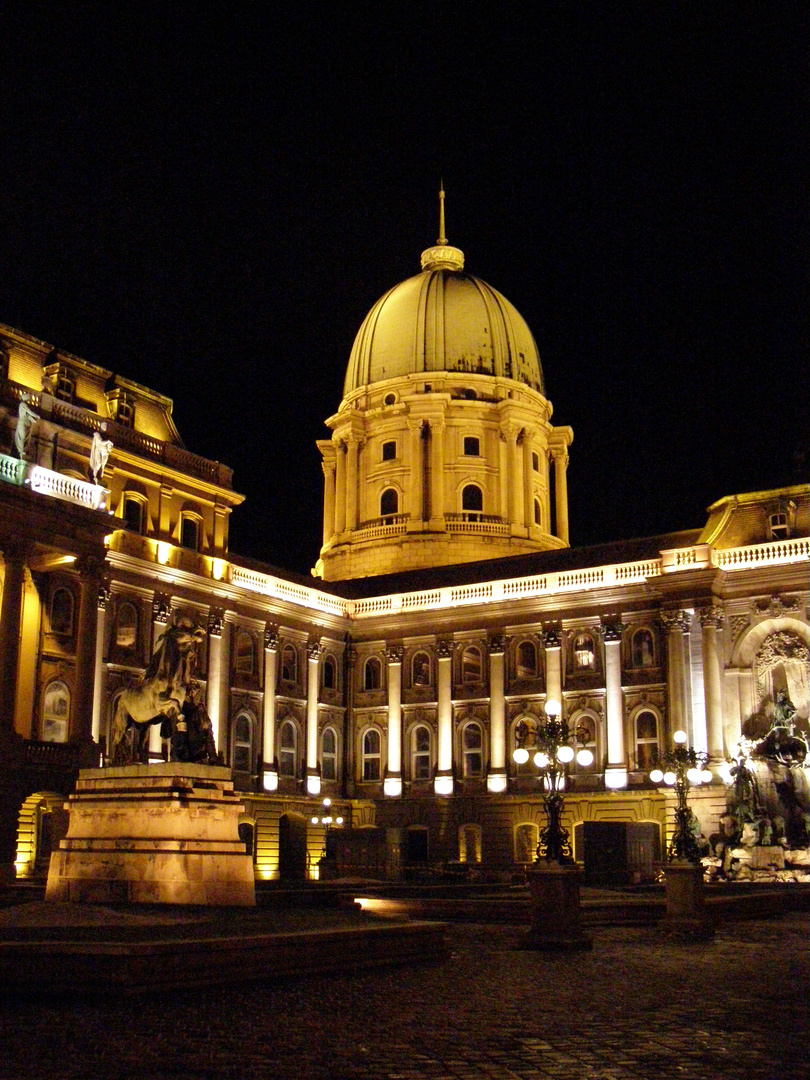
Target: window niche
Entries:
(583, 652)
(389, 450)
(526, 660)
(245, 654)
(126, 626)
(643, 649)
(61, 612)
(371, 757)
(472, 667)
(420, 669)
(134, 513)
(329, 673)
(190, 530)
(472, 748)
(472, 446)
(329, 754)
(287, 749)
(646, 731)
(289, 664)
(420, 753)
(55, 712)
(372, 674)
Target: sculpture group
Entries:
(169, 695)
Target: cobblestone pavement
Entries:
(637, 1008)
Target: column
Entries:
(218, 676)
(616, 769)
(90, 568)
(437, 474)
(416, 508)
(14, 556)
(561, 493)
(392, 785)
(528, 501)
(160, 618)
(443, 783)
(711, 620)
(551, 640)
(496, 778)
(340, 489)
(328, 500)
(352, 461)
(269, 768)
(676, 624)
(100, 677)
(313, 772)
(512, 482)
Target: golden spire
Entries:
(443, 256)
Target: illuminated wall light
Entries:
(615, 779)
(496, 782)
(392, 786)
(270, 780)
(313, 784)
(163, 552)
(443, 785)
(218, 568)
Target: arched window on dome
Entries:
(389, 505)
(538, 513)
(472, 502)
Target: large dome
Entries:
(443, 320)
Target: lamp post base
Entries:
(556, 917)
(686, 916)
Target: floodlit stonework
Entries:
(397, 696)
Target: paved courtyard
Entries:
(636, 1008)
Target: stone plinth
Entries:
(686, 915)
(156, 834)
(556, 918)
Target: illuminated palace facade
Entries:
(446, 607)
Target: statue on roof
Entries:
(99, 452)
(26, 419)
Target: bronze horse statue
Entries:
(159, 695)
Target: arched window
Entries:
(389, 503)
(420, 669)
(538, 513)
(584, 656)
(287, 749)
(242, 742)
(289, 664)
(126, 626)
(472, 746)
(244, 653)
(55, 712)
(329, 673)
(420, 752)
(586, 727)
(190, 532)
(62, 612)
(372, 674)
(643, 649)
(329, 754)
(526, 660)
(133, 513)
(471, 667)
(646, 740)
(371, 754)
(472, 502)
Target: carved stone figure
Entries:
(192, 736)
(99, 452)
(26, 418)
(160, 694)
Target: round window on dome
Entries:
(390, 399)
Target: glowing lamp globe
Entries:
(565, 754)
(706, 776)
(541, 759)
(679, 737)
(585, 758)
(656, 776)
(553, 707)
(694, 776)
(314, 821)
(670, 778)
(521, 755)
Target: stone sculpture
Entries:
(99, 452)
(161, 693)
(26, 418)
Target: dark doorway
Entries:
(292, 847)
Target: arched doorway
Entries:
(292, 847)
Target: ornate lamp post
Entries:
(554, 876)
(684, 767)
(326, 820)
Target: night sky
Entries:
(208, 200)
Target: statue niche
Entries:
(161, 698)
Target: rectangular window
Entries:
(471, 446)
(189, 533)
(535, 461)
(389, 451)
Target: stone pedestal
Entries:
(156, 834)
(556, 924)
(686, 915)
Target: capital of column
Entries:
(612, 631)
(497, 644)
(711, 617)
(674, 620)
(394, 654)
(270, 638)
(160, 610)
(444, 650)
(89, 567)
(551, 638)
(329, 468)
(216, 618)
(103, 597)
(314, 650)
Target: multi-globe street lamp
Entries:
(551, 742)
(683, 767)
